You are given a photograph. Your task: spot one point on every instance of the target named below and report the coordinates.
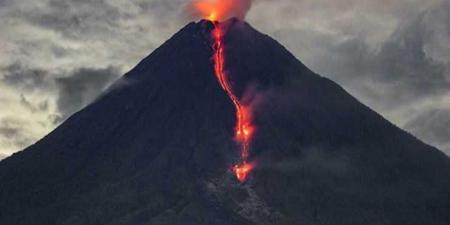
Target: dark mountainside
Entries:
(157, 148)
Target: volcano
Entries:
(158, 147)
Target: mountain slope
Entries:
(157, 148)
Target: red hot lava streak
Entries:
(244, 129)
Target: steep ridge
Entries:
(157, 148)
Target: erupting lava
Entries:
(215, 11)
(244, 129)
(219, 10)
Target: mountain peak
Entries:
(160, 149)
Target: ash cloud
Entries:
(233, 8)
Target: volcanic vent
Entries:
(157, 147)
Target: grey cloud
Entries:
(433, 126)
(404, 60)
(8, 131)
(397, 73)
(161, 8)
(81, 87)
(401, 63)
(93, 19)
(20, 76)
(74, 89)
(41, 106)
(78, 19)
(438, 31)
(390, 73)
(401, 73)
(15, 131)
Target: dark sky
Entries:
(58, 55)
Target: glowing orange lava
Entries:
(242, 171)
(214, 10)
(244, 129)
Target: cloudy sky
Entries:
(58, 55)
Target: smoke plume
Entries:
(218, 10)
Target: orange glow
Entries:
(214, 10)
(244, 129)
(242, 171)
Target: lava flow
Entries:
(244, 129)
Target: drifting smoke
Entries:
(218, 10)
